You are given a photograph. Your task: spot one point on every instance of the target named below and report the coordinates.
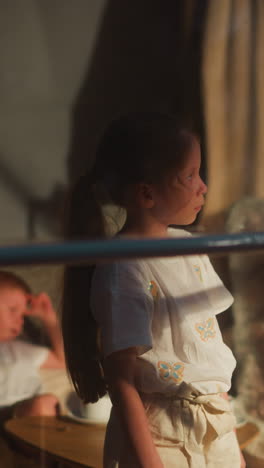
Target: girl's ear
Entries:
(145, 195)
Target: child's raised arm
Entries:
(41, 306)
(120, 370)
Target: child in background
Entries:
(146, 330)
(20, 361)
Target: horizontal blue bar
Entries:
(105, 250)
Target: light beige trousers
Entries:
(190, 430)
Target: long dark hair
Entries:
(140, 147)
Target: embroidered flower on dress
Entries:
(206, 329)
(197, 270)
(153, 288)
(168, 371)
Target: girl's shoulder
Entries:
(120, 278)
(136, 267)
(139, 268)
(118, 268)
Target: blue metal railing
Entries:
(89, 251)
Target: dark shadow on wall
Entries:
(147, 56)
(47, 212)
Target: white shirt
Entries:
(19, 370)
(166, 308)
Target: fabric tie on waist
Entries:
(189, 393)
(187, 411)
(216, 409)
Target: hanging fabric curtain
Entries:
(233, 97)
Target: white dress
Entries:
(19, 371)
(166, 308)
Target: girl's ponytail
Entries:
(80, 332)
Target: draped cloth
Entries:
(232, 71)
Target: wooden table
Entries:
(79, 445)
(76, 444)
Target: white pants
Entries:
(189, 430)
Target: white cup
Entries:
(94, 412)
(99, 411)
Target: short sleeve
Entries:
(122, 306)
(219, 296)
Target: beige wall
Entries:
(45, 49)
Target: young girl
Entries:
(20, 361)
(146, 330)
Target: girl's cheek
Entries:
(183, 184)
(190, 186)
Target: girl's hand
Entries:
(40, 405)
(40, 306)
(242, 461)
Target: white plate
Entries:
(83, 420)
